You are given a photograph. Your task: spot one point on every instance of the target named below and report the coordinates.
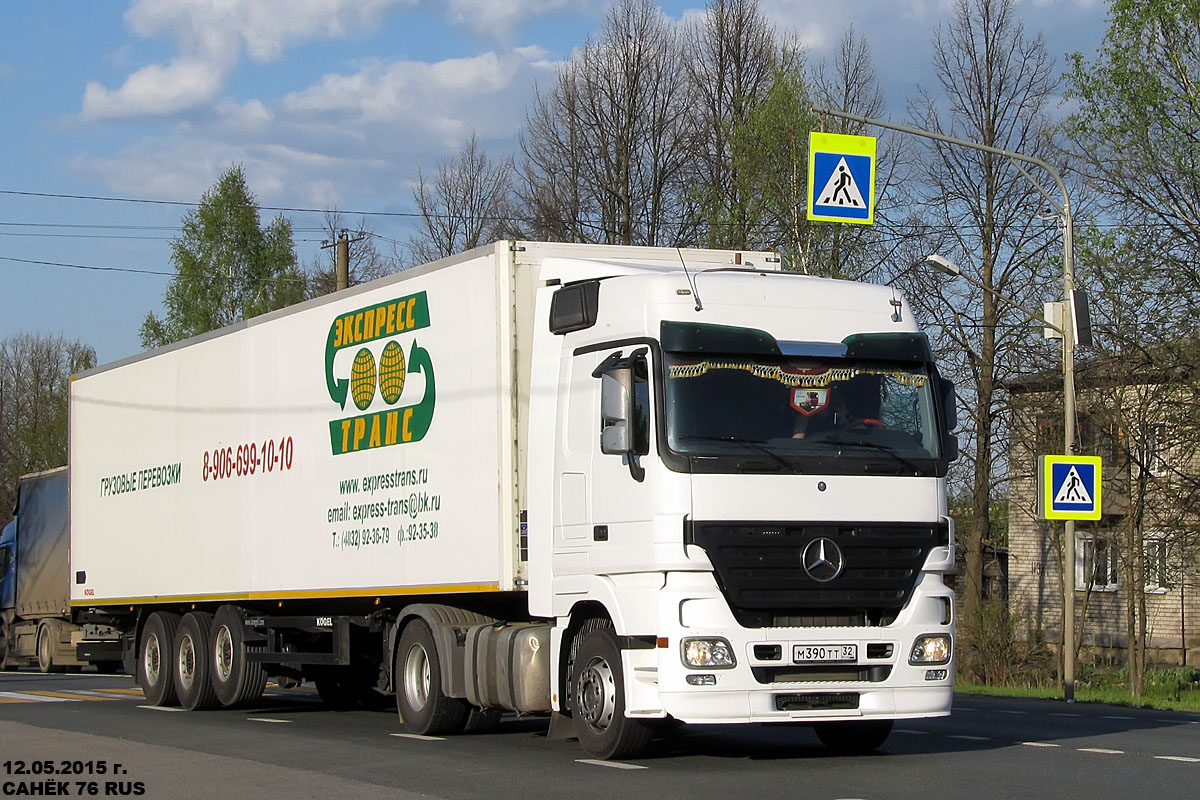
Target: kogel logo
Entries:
(373, 379)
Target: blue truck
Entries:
(38, 628)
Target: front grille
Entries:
(816, 701)
(761, 572)
(823, 674)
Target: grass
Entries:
(1169, 690)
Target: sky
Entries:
(118, 116)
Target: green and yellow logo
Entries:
(378, 371)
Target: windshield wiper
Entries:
(882, 448)
(753, 445)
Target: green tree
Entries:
(1136, 127)
(35, 374)
(227, 267)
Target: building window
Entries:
(1157, 550)
(1157, 451)
(1096, 563)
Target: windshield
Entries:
(811, 415)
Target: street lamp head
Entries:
(942, 265)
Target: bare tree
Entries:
(607, 149)
(733, 55)
(996, 84)
(469, 203)
(365, 261)
(34, 377)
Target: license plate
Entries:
(824, 653)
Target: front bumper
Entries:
(880, 683)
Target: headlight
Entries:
(707, 654)
(931, 649)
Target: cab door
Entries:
(604, 503)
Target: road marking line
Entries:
(912, 731)
(1187, 759)
(419, 737)
(1007, 711)
(614, 764)
(268, 719)
(161, 708)
(967, 738)
(31, 697)
(120, 691)
(1040, 744)
(1117, 717)
(90, 694)
(1101, 750)
(1064, 714)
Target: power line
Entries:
(84, 266)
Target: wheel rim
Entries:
(224, 653)
(44, 649)
(416, 677)
(152, 660)
(187, 662)
(596, 694)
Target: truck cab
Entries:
(748, 479)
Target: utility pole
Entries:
(341, 258)
(1068, 366)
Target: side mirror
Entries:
(950, 416)
(949, 405)
(616, 411)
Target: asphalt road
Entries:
(101, 741)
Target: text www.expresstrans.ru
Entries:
(388, 480)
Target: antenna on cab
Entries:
(691, 282)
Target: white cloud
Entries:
(498, 18)
(155, 89)
(264, 28)
(211, 36)
(441, 98)
(346, 135)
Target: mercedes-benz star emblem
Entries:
(823, 560)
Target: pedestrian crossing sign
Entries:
(1070, 487)
(841, 178)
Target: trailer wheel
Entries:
(236, 680)
(418, 681)
(45, 650)
(191, 663)
(854, 738)
(155, 655)
(598, 700)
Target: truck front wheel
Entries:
(418, 681)
(155, 656)
(45, 649)
(598, 700)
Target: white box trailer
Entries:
(609, 483)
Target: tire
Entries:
(854, 738)
(598, 700)
(418, 680)
(156, 650)
(191, 663)
(45, 650)
(236, 680)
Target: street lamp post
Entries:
(1068, 365)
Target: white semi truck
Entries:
(624, 486)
